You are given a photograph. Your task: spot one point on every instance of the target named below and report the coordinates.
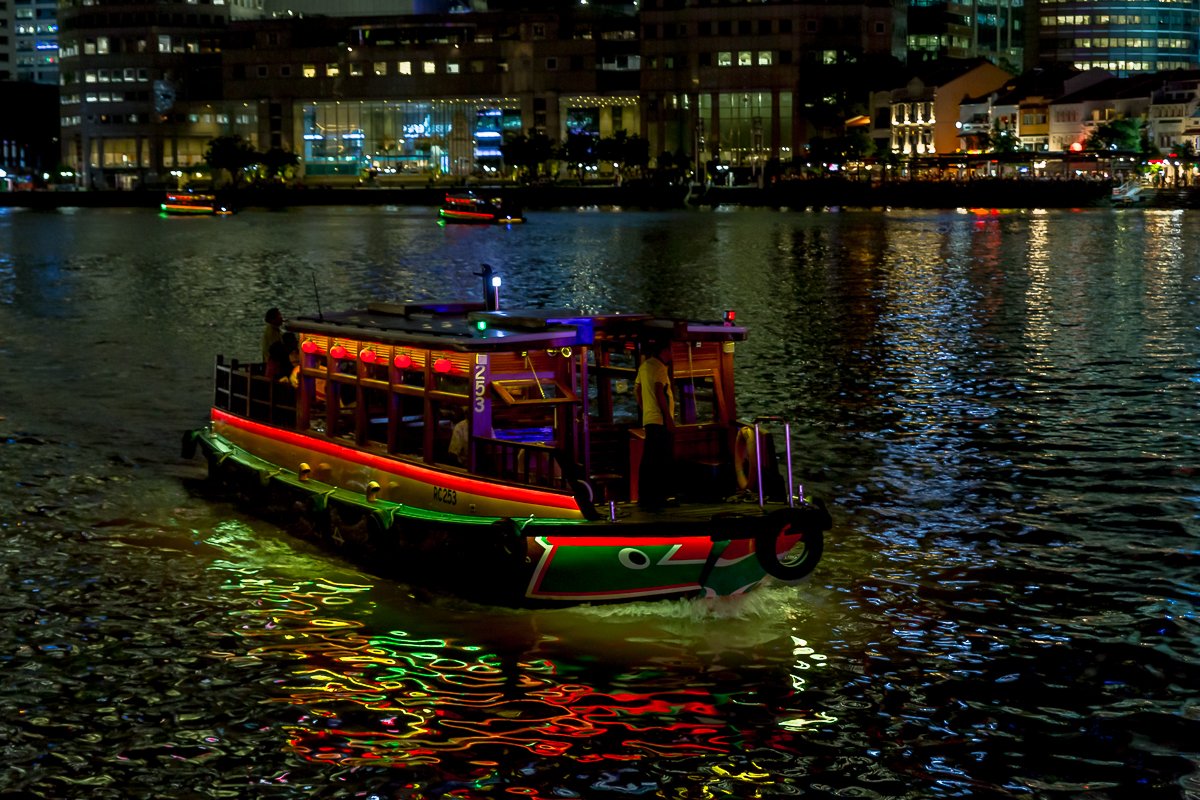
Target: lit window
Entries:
(310, 70)
(428, 67)
(332, 70)
(381, 68)
(356, 70)
(164, 44)
(765, 58)
(452, 68)
(744, 58)
(724, 59)
(404, 67)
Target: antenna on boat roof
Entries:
(491, 287)
(317, 292)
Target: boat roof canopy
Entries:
(469, 326)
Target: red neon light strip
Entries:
(476, 214)
(423, 474)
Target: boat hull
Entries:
(478, 218)
(519, 559)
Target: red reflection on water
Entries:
(399, 700)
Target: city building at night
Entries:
(750, 82)
(389, 90)
(435, 94)
(924, 114)
(29, 41)
(1124, 37)
(991, 29)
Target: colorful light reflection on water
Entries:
(400, 699)
(1002, 411)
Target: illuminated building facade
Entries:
(141, 92)
(29, 40)
(925, 114)
(724, 81)
(430, 94)
(991, 29)
(437, 86)
(1124, 37)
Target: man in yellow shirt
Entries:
(657, 403)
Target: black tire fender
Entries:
(511, 540)
(808, 521)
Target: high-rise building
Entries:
(141, 91)
(967, 29)
(1124, 37)
(29, 40)
(740, 84)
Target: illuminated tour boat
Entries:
(470, 208)
(191, 204)
(495, 454)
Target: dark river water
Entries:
(1002, 411)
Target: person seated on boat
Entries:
(657, 403)
(459, 441)
(272, 332)
(284, 362)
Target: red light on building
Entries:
(368, 357)
(442, 365)
(402, 361)
(310, 347)
(337, 351)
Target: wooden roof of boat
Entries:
(469, 326)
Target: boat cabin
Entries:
(534, 397)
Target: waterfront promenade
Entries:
(787, 194)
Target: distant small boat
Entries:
(1128, 193)
(468, 207)
(191, 204)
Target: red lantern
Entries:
(337, 351)
(402, 361)
(442, 365)
(367, 356)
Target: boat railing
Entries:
(529, 463)
(244, 389)
(760, 440)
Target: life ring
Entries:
(745, 458)
(808, 522)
